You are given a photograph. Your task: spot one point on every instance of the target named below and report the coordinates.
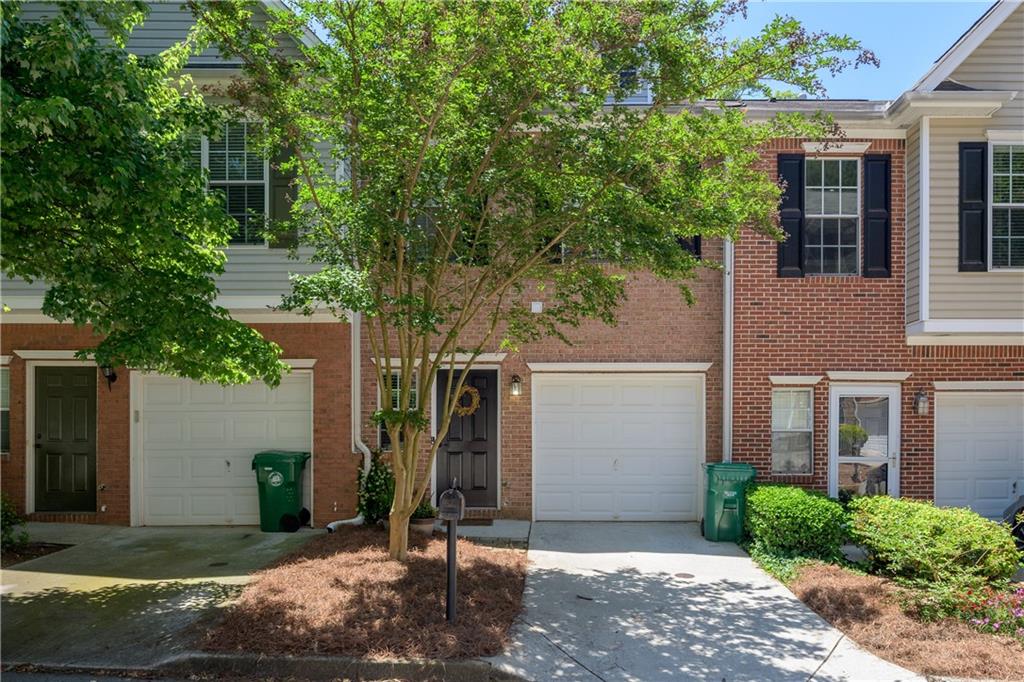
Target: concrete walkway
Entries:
(655, 601)
(126, 597)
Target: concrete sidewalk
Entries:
(655, 601)
(126, 597)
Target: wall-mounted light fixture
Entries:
(921, 402)
(517, 385)
(109, 374)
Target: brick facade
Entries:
(655, 325)
(335, 474)
(816, 324)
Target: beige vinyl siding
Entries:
(981, 295)
(998, 64)
(913, 197)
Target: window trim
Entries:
(809, 390)
(860, 214)
(990, 227)
(205, 164)
(380, 405)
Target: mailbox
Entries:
(451, 506)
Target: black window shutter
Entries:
(691, 244)
(791, 215)
(877, 221)
(973, 206)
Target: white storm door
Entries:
(864, 440)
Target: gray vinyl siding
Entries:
(997, 64)
(168, 23)
(913, 199)
(250, 271)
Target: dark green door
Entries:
(65, 441)
(469, 451)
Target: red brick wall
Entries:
(336, 466)
(817, 324)
(655, 325)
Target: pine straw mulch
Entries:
(28, 551)
(868, 610)
(340, 594)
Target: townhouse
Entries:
(877, 350)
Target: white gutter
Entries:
(728, 256)
(357, 416)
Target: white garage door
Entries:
(197, 442)
(617, 447)
(979, 456)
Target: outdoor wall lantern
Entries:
(517, 385)
(109, 374)
(921, 402)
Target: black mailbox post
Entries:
(451, 507)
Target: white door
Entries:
(979, 456)
(864, 440)
(197, 442)
(617, 447)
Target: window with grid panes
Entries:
(1007, 206)
(832, 216)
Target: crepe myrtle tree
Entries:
(485, 158)
(101, 203)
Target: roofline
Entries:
(952, 58)
(308, 38)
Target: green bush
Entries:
(790, 521)
(919, 542)
(425, 510)
(378, 492)
(10, 519)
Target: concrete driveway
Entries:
(126, 597)
(655, 601)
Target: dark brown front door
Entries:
(65, 442)
(469, 451)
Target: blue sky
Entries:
(907, 37)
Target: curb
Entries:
(331, 668)
(252, 666)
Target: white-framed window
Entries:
(792, 430)
(395, 392)
(1006, 208)
(5, 410)
(832, 216)
(236, 170)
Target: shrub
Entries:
(997, 610)
(378, 491)
(425, 510)
(10, 519)
(790, 521)
(919, 542)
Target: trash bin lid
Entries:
(279, 456)
(730, 471)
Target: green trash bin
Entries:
(279, 477)
(725, 504)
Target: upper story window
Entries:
(832, 223)
(237, 172)
(1007, 206)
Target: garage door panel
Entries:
(978, 450)
(633, 459)
(198, 441)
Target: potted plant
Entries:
(422, 519)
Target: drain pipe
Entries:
(727, 338)
(356, 417)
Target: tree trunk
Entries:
(398, 536)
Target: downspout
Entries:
(728, 255)
(356, 416)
